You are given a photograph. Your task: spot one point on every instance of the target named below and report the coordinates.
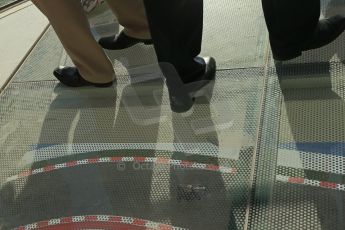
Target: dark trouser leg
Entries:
(290, 23)
(176, 29)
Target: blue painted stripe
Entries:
(328, 148)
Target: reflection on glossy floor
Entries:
(263, 149)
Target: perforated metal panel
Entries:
(52, 126)
(44, 58)
(300, 177)
(262, 149)
(235, 33)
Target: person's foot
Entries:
(70, 76)
(182, 98)
(121, 41)
(326, 32)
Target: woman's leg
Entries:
(131, 15)
(70, 24)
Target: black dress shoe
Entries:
(121, 41)
(182, 98)
(326, 32)
(70, 76)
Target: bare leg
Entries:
(131, 15)
(70, 24)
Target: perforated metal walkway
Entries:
(264, 150)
